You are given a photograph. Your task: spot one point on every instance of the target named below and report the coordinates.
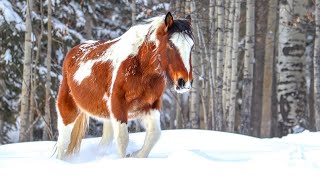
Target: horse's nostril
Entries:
(181, 82)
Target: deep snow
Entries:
(181, 154)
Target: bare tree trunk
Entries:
(179, 7)
(25, 92)
(2, 93)
(269, 58)
(203, 56)
(89, 20)
(230, 121)
(194, 97)
(316, 65)
(291, 90)
(248, 68)
(34, 76)
(134, 11)
(260, 41)
(228, 60)
(212, 55)
(179, 123)
(47, 134)
(219, 68)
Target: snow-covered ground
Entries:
(179, 154)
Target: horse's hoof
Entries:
(132, 155)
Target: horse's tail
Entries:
(78, 133)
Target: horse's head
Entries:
(175, 42)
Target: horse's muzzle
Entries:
(182, 86)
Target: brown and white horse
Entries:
(123, 79)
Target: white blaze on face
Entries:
(184, 45)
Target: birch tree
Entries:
(248, 69)
(230, 121)
(219, 67)
(212, 55)
(228, 57)
(291, 92)
(316, 64)
(194, 95)
(25, 134)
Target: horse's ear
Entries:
(189, 18)
(168, 20)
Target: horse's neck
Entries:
(149, 59)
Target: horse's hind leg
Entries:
(153, 131)
(67, 113)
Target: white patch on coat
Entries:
(84, 71)
(105, 97)
(184, 45)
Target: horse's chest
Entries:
(144, 95)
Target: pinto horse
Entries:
(123, 79)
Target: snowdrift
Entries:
(182, 154)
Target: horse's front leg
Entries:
(119, 121)
(121, 136)
(153, 131)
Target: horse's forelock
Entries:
(181, 26)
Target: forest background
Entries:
(256, 64)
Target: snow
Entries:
(10, 16)
(181, 154)
(62, 30)
(7, 56)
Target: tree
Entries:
(219, 67)
(212, 55)
(268, 83)
(316, 65)
(230, 121)
(227, 59)
(25, 133)
(47, 130)
(248, 69)
(194, 95)
(261, 15)
(291, 90)
(134, 11)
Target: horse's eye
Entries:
(171, 45)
